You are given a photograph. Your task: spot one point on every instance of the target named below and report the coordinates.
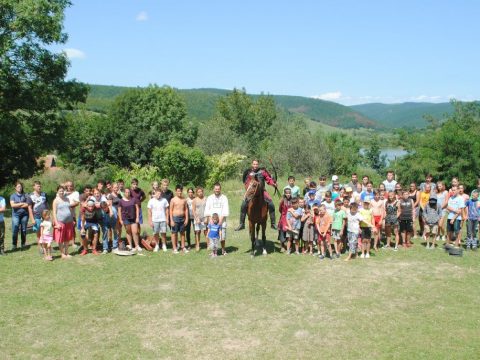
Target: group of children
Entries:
(332, 217)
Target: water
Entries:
(391, 153)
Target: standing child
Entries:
(391, 220)
(213, 235)
(308, 228)
(198, 209)
(323, 223)
(366, 226)
(108, 223)
(338, 224)
(191, 196)
(46, 235)
(432, 213)
(283, 207)
(157, 219)
(353, 228)
(473, 217)
(2, 226)
(406, 216)
(178, 218)
(328, 202)
(294, 216)
(378, 211)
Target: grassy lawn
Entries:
(409, 304)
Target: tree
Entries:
(373, 155)
(148, 118)
(32, 83)
(184, 164)
(247, 118)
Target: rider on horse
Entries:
(262, 176)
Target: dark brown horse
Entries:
(257, 210)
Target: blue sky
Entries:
(350, 52)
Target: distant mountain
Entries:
(409, 114)
(201, 104)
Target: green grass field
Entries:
(414, 304)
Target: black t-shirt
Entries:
(168, 194)
(93, 216)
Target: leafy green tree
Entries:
(345, 153)
(181, 163)
(248, 118)
(32, 83)
(446, 150)
(148, 118)
(373, 155)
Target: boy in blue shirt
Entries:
(213, 235)
(473, 217)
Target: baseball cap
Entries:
(311, 192)
(367, 200)
(334, 178)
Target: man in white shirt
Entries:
(218, 203)
(390, 182)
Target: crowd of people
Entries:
(103, 212)
(357, 216)
(327, 220)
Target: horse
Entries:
(257, 211)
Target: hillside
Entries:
(201, 105)
(402, 115)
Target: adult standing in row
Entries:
(2, 226)
(19, 204)
(63, 221)
(218, 203)
(37, 203)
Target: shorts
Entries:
(325, 237)
(36, 226)
(352, 241)
(160, 227)
(391, 222)
(336, 235)
(128, 222)
(46, 239)
(377, 221)
(200, 226)
(292, 235)
(406, 225)
(366, 233)
(455, 227)
(95, 228)
(431, 229)
(223, 234)
(178, 224)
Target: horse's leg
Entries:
(264, 238)
(251, 228)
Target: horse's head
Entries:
(255, 188)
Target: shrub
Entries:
(223, 167)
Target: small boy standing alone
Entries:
(213, 235)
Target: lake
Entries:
(391, 153)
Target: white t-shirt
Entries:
(73, 197)
(353, 222)
(219, 205)
(330, 207)
(389, 186)
(158, 208)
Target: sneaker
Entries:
(337, 255)
(84, 252)
(321, 257)
(139, 249)
(175, 251)
(367, 256)
(185, 250)
(128, 247)
(287, 252)
(164, 248)
(94, 252)
(395, 248)
(115, 251)
(156, 248)
(104, 252)
(240, 227)
(297, 253)
(362, 256)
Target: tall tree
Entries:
(32, 83)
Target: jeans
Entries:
(2, 235)
(19, 223)
(111, 223)
(471, 233)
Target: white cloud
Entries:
(331, 96)
(74, 53)
(142, 16)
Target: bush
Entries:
(224, 166)
(183, 164)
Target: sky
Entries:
(350, 52)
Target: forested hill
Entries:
(201, 105)
(407, 114)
